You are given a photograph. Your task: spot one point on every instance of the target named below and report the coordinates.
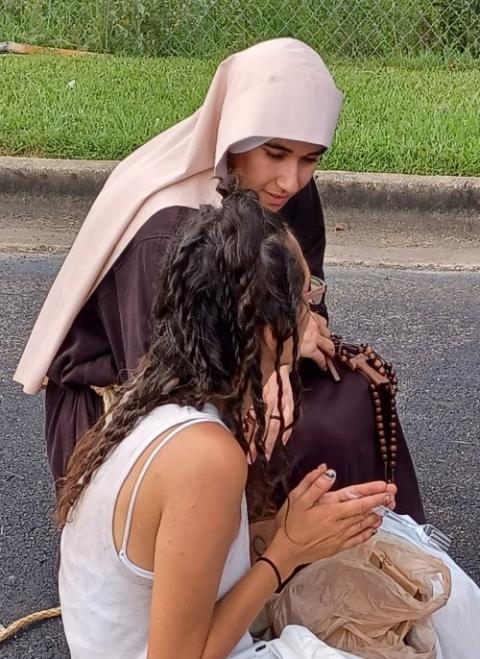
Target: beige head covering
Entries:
(279, 88)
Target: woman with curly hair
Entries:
(155, 546)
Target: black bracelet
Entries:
(274, 568)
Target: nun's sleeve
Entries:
(126, 310)
(304, 215)
(126, 305)
(71, 405)
(106, 341)
(102, 348)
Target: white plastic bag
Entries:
(457, 624)
(295, 642)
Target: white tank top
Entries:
(105, 598)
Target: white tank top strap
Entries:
(122, 554)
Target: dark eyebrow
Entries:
(280, 147)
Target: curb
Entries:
(63, 190)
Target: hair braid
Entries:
(229, 274)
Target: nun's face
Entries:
(276, 170)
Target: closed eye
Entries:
(274, 153)
(311, 159)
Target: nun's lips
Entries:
(276, 199)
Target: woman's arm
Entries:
(202, 478)
(202, 484)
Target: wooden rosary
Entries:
(383, 385)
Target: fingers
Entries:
(317, 487)
(252, 454)
(286, 435)
(359, 539)
(366, 489)
(318, 357)
(353, 492)
(273, 428)
(321, 323)
(326, 346)
(307, 481)
(357, 525)
(363, 505)
(273, 423)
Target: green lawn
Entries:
(413, 117)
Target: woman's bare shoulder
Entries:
(203, 455)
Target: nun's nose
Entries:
(289, 179)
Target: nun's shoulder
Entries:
(155, 233)
(164, 223)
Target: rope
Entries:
(38, 616)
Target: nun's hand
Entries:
(272, 414)
(316, 343)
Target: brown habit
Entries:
(111, 333)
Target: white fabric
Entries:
(458, 623)
(279, 89)
(247, 145)
(239, 147)
(105, 600)
(295, 642)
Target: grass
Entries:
(415, 116)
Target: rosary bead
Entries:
(380, 426)
(383, 450)
(381, 370)
(372, 387)
(377, 363)
(393, 424)
(393, 463)
(368, 350)
(379, 418)
(343, 358)
(376, 395)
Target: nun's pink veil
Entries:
(279, 88)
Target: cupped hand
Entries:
(316, 343)
(272, 414)
(309, 531)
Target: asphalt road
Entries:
(427, 322)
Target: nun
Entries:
(269, 114)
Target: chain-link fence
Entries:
(213, 28)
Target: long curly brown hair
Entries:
(230, 273)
